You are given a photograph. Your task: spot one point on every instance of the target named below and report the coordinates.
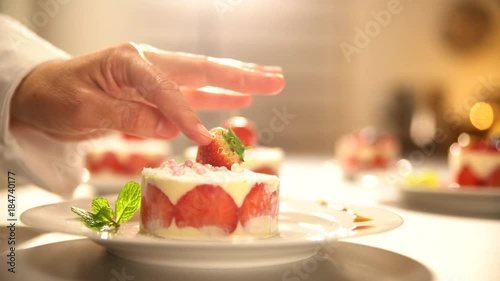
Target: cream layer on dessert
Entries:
(481, 163)
(256, 228)
(175, 181)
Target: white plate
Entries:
(464, 200)
(345, 261)
(303, 228)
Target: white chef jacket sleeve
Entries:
(28, 153)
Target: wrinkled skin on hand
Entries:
(136, 89)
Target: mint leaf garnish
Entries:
(128, 202)
(86, 216)
(103, 218)
(90, 219)
(99, 203)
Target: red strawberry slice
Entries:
(494, 178)
(207, 205)
(380, 162)
(225, 149)
(466, 177)
(110, 162)
(266, 170)
(156, 206)
(259, 202)
(94, 164)
(135, 163)
(243, 128)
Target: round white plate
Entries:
(304, 228)
(82, 260)
(464, 200)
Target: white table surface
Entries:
(450, 246)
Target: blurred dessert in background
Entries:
(125, 155)
(475, 162)
(259, 159)
(366, 150)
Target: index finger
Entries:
(130, 71)
(199, 71)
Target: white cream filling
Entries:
(482, 164)
(255, 228)
(236, 184)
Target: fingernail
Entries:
(204, 131)
(277, 75)
(272, 68)
(162, 130)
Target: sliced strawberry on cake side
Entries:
(466, 177)
(259, 202)
(494, 179)
(156, 207)
(111, 163)
(225, 149)
(266, 170)
(209, 208)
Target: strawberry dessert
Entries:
(476, 163)
(366, 150)
(211, 199)
(122, 155)
(260, 159)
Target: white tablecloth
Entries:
(453, 247)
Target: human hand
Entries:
(138, 90)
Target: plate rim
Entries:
(391, 223)
(460, 191)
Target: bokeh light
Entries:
(464, 139)
(481, 115)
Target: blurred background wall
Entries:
(413, 68)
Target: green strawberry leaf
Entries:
(234, 142)
(128, 202)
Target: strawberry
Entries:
(110, 162)
(243, 128)
(207, 205)
(266, 170)
(225, 149)
(136, 162)
(259, 202)
(352, 163)
(156, 206)
(94, 164)
(466, 177)
(494, 179)
(379, 162)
